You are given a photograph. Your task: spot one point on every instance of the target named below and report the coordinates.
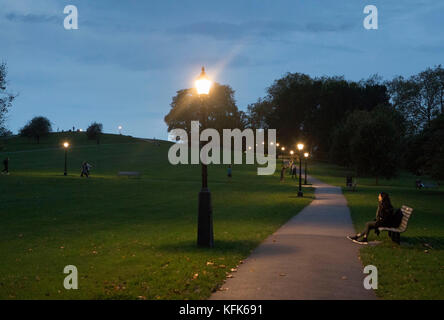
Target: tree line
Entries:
(373, 126)
(39, 127)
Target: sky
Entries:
(129, 58)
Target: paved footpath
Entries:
(307, 258)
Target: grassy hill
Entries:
(129, 238)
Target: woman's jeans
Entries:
(371, 225)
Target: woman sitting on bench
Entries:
(385, 217)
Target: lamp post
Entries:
(205, 218)
(300, 148)
(120, 129)
(66, 146)
(306, 155)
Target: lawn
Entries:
(414, 270)
(129, 238)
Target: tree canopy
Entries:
(221, 110)
(309, 109)
(36, 128)
(94, 131)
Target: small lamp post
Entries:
(306, 155)
(66, 146)
(120, 129)
(205, 236)
(300, 148)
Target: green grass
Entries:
(412, 270)
(129, 238)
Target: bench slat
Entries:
(406, 212)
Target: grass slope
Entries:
(413, 270)
(129, 238)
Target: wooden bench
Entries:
(129, 174)
(395, 233)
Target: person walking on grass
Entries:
(6, 166)
(385, 217)
(85, 169)
(293, 171)
(229, 172)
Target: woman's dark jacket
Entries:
(387, 217)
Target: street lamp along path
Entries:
(306, 155)
(205, 236)
(300, 148)
(66, 146)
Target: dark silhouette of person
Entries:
(85, 169)
(229, 171)
(6, 166)
(293, 171)
(385, 217)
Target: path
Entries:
(307, 258)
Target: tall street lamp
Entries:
(306, 155)
(205, 219)
(120, 129)
(300, 148)
(66, 146)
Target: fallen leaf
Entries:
(209, 263)
(344, 278)
(283, 274)
(233, 269)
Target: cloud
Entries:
(254, 29)
(31, 18)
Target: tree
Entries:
(5, 132)
(340, 150)
(420, 97)
(221, 110)
(6, 98)
(425, 151)
(375, 146)
(310, 109)
(36, 128)
(94, 131)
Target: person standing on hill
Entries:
(229, 172)
(6, 166)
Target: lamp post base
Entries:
(300, 194)
(205, 220)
